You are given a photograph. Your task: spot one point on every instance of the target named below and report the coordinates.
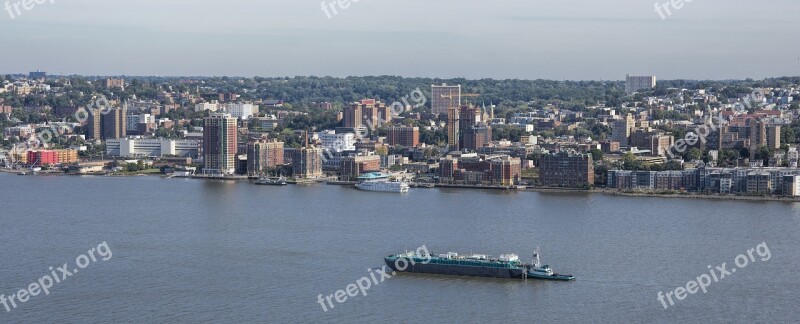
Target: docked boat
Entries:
(380, 182)
(265, 181)
(476, 265)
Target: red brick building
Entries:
(403, 136)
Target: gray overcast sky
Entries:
(529, 39)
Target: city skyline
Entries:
(566, 40)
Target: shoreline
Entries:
(603, 192)
(699, 196)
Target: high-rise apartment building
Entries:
(368, 112)
(115, 123)
(94, 125)
(263, 154)
(444, 97)
(403, 136)
(773, 136)
(307, 162)
(566, 170)
(219, 144)
(453, 128)
(621, 130)
(468, 117)
(110, 123)
(475, 137)
(636, 83)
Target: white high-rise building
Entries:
(336, 143)
(636, 83)
(243, 111)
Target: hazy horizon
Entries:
(513, 39)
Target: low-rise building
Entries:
(151, 147)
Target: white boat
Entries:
(383, 186)
(380, 182)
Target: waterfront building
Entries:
(66, 156)
(135, 147)
(354, 166)
(219, 144)
(263, 154)
(476, 169)
(42, 158)
(566, 170)
(307, 162)
(791, 186)
(759, 183)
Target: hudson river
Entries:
(210, 251)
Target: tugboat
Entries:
(266, 181)
(537, 271)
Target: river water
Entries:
(211, 251)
